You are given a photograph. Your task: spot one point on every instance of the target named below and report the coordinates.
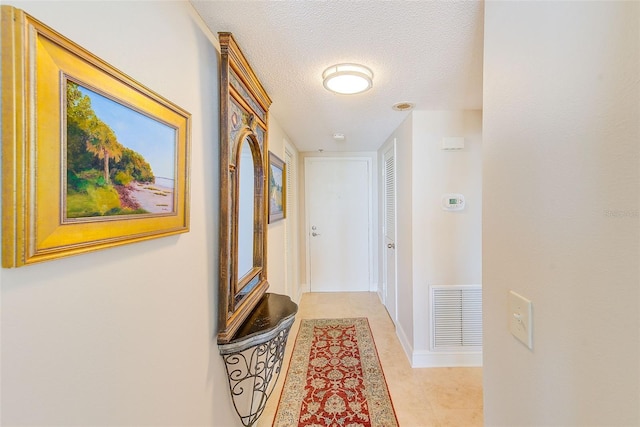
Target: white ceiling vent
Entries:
(456, 317)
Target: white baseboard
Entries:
(404, 342)
(303, 288)
(443, 359)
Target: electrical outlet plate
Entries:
(520, 318)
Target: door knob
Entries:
(314, 234)
(391, 245)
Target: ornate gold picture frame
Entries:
(90, 158)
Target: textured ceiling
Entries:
(425, 52)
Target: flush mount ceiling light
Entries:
(347, 79)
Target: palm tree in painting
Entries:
(104, 145)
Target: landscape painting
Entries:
(91, 158)
(118, 161)
(277, 193)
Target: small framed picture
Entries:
(277, 188)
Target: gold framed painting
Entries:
(90, 158)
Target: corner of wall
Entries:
(405, 342)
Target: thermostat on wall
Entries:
(452, 202)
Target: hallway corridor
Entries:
(425, 397)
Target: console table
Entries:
(253, 358)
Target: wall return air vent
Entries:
(456, 317)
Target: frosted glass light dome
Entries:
(347, 79)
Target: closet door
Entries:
(389, 230)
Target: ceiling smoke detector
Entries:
(402, 106)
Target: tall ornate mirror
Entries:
(253, 325)
(244, 106)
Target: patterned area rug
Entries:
(335, 378)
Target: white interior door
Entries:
(389, 241)
(338, 206)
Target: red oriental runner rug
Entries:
(335, 378)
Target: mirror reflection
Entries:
(246, 214)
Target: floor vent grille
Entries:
(456, 317)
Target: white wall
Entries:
(435, 247)
(126, 336)
(276, 264)
(561, 222)
(277, 261)
(447, 246)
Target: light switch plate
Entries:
(520, 318)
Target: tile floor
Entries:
(425, 397)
